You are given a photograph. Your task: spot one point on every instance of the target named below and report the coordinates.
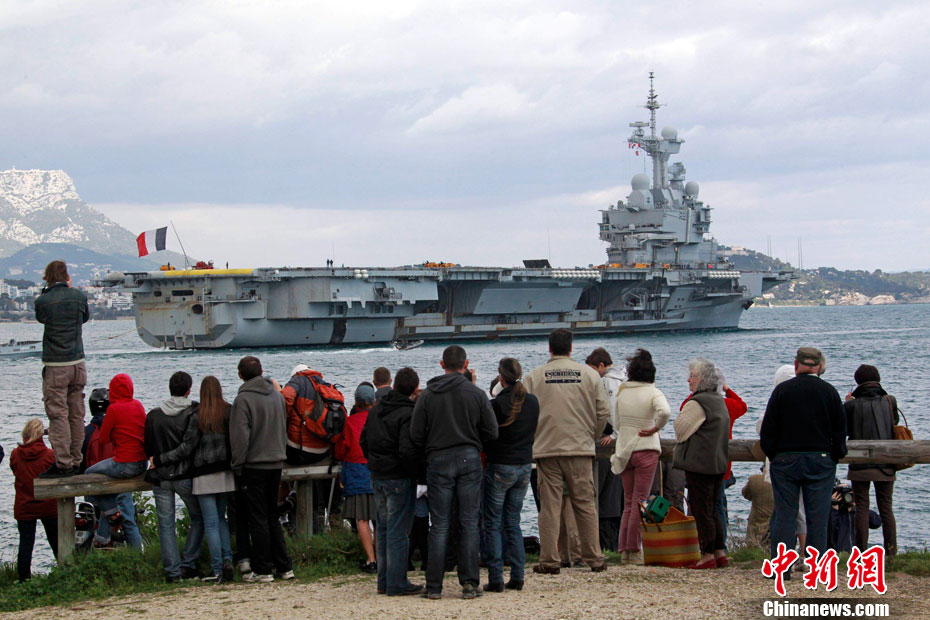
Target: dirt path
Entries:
(627, 592)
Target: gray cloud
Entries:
(814, 114)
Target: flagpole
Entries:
(187, 263)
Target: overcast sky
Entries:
(282, 132)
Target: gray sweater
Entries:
(258, 426)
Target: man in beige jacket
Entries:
(573, 411)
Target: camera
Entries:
(846, 498)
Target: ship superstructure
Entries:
(662, 273)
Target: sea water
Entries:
(896, 339)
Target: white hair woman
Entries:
(702, 451)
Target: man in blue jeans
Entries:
(395, 466)
(804, 436)
(451, 420)
(165, 445)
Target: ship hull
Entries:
(306, 307)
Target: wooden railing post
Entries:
(305, 507)
(65, 529)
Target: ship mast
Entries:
(652, 104)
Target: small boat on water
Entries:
(17, 349)
(406, 345)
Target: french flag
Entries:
(152, 240)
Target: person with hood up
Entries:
(870, 414)
(28, 460)
(124, 427)
(451, 420)
(395, 467)
(257, 438)
(170, 446)
(95, 451)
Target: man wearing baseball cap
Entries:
(804, 436)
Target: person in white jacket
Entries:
(641, 410)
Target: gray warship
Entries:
(662, 273)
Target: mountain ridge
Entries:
(43, 206)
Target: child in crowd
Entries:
(28, 460)
(356, 479)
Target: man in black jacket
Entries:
(804, 436)
(451, 420)
(63, 310)
(394, 465)
(170, 453)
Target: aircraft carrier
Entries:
(662, 273)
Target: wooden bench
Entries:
(66, 489)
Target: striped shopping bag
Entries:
(672, 543)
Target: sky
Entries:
(476, 132)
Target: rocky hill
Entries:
(43, 206)
(29, 263)
(831, 286)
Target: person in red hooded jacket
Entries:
(28, 460)
(124, 427)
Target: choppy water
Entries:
(894, 338)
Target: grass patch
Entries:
(915, 563)
(102, 574)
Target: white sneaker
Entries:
(256, 578)
(286, 576)
(636, 558)
(244, 567)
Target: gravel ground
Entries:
(621, 592)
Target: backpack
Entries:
(326, 414)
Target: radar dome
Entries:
(637, 199)
(692, 188)
(640, 182)
(669, 133)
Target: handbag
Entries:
(902, 433)
(672, 543)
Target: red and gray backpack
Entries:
(323, 413)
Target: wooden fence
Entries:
(66, 489)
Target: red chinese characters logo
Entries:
(779, 565)
(864, 568)
(820, 569)
(867, 568)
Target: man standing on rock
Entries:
(573, 414)
(63, 310)
(804, 436)
(451, 420)
(258, 439)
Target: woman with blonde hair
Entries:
(28, 460)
